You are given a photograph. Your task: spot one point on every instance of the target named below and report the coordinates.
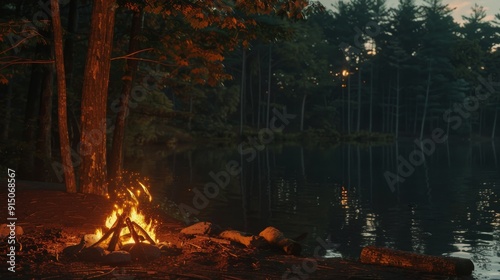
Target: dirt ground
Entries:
(53, 220)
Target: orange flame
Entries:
(131, 204)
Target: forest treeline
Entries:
(84, 82)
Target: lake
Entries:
(447, 204)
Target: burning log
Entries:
(132, 231)
(251, 241)
(144, 232)
(277, 238)
(115, 230)
(431, 264)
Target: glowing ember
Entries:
(130, 199)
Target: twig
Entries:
(17, 44)
(213, 239)
(131, 54)
(231, 277)
(194, 245)
(101, 275)
(147, 60)
(193, 276)
(227, 250)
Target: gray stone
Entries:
(144, 251)
(117, 257)
(92, 254)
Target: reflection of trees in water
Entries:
(342, 192)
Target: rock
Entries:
(73, 250)
(169, 249)
(144, 251)
(92, 254)
(249, 240)
(6, 230)
(117, 257)
(90, 239)
(277, 238)
(127, 247)
(201, 228)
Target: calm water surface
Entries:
(449, 205)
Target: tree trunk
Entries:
(242, 89)
(426, 103)
(259, 92)
(8, 112)
(303, 112)
(415, 118)
(396, 129)
(349, 104)
(69, 175)
(359, 99)
(69, 45)
(269, 85)
(30, 117)
(43, 145)
(191, 113)
(94, 97)
(252, 101)
(116, 156)
(409, 260)
(371, 100)
(494, 125)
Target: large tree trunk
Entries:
(43, 144)
(69, 45)
(69, 175)
(30, 117)
(116, 157)
(94, 97)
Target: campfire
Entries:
(127, 233)
(126, 224)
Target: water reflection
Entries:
(448, 206)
